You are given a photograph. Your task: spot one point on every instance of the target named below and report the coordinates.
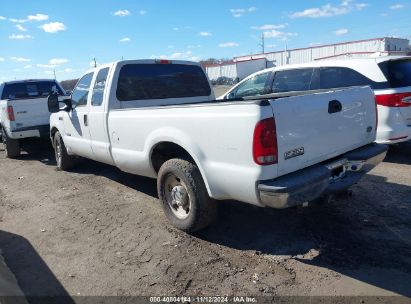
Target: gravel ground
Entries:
(98, 231)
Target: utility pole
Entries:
(262, 43)
(95, 62)
(54, 72)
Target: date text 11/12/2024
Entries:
(203, 299)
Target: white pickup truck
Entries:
(159, 119)
(23, 111)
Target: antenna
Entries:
(95, 62)
(262, 43)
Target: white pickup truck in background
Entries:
(159, 119)
(23, 111)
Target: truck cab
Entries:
(112, 87)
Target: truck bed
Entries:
(218, 134)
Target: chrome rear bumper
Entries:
(327, 178)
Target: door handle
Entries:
(334, 106)
(85, 120)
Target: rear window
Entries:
(160, 81)
(339, 77)
(21, 90)
(398, 72)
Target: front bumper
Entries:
(326, 178)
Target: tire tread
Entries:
(11, 146)
(67, 161)
(205, 210)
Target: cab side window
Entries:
(99, 86)
(252, 87)
(337, 77)
(292, 80)
(80, 92)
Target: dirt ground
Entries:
(98, 231)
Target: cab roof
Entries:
(27, 80)
(143, 61)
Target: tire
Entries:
(184, 197)
(63, 160)
(11, 146)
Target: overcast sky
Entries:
(39, 37)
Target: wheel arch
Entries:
(166, 150)
(53, 132)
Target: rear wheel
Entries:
(11, 146)
(63, 160)
(184, 196)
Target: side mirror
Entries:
(230, 96)
(69, 105)
(53, 103)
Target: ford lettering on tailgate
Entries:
(294, 153)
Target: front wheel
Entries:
(63, 160)
(184, 196)
(11, 146)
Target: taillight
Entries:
(394, 100)
(265, 150)
(10, 113)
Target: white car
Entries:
(23, 111)
(388, 76)
(160, 119)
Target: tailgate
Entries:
(406, 114)
(29, 112)
(405, 111)
(398, 95)
(316, 127)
